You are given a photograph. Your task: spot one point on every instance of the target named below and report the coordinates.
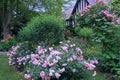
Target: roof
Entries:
(68, 13)
(71, 11)
(91, 2)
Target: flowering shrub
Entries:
(65, 62)
(105, 25)
(19, 56)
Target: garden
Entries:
(48, 49)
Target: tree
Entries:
(6, 10)
(116, 5)
(21, 11)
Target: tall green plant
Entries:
(44, 28)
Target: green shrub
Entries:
(6, 46)
(84, 32)
(44, 28)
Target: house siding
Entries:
(79, 6)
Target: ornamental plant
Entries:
(84, 32)
(65, 62)
(48, 29)
(106, 27)
(19, 55)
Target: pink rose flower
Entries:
(51, 48)
(95, 61)
(89, 66)
(19, 60)
(65, 48)
(74, 57)
(64, 64)
(42, 74)
(89, 6)
(27, 76)
(57, 75)
(80, 58)
(118, 21)
(45, 64)
(55, 52)
(70, 59)
(50, 74)
(81, 14)
(36, 62)
(94, 74)
(51, 70)
(79, 50)
(62, 70)
(58, 57)
(40, 50)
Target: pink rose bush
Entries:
(98, 13)
(106, 27)
(62, 62)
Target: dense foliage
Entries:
(6, 46)
(105, 25)
(84, 32)
(63, 62)
(44, 28)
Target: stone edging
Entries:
(4, 53)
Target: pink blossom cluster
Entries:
(19, 60)
(85, 10)
(12, 53)
(108, 15)
(35, 59)
(27, 76)
(53, 62)
(118, 21)
(91, 65)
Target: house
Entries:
(79, 6)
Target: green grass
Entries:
(6, 72)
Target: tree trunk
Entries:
(5, 30)
(6, 18)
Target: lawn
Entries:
(6, 72)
